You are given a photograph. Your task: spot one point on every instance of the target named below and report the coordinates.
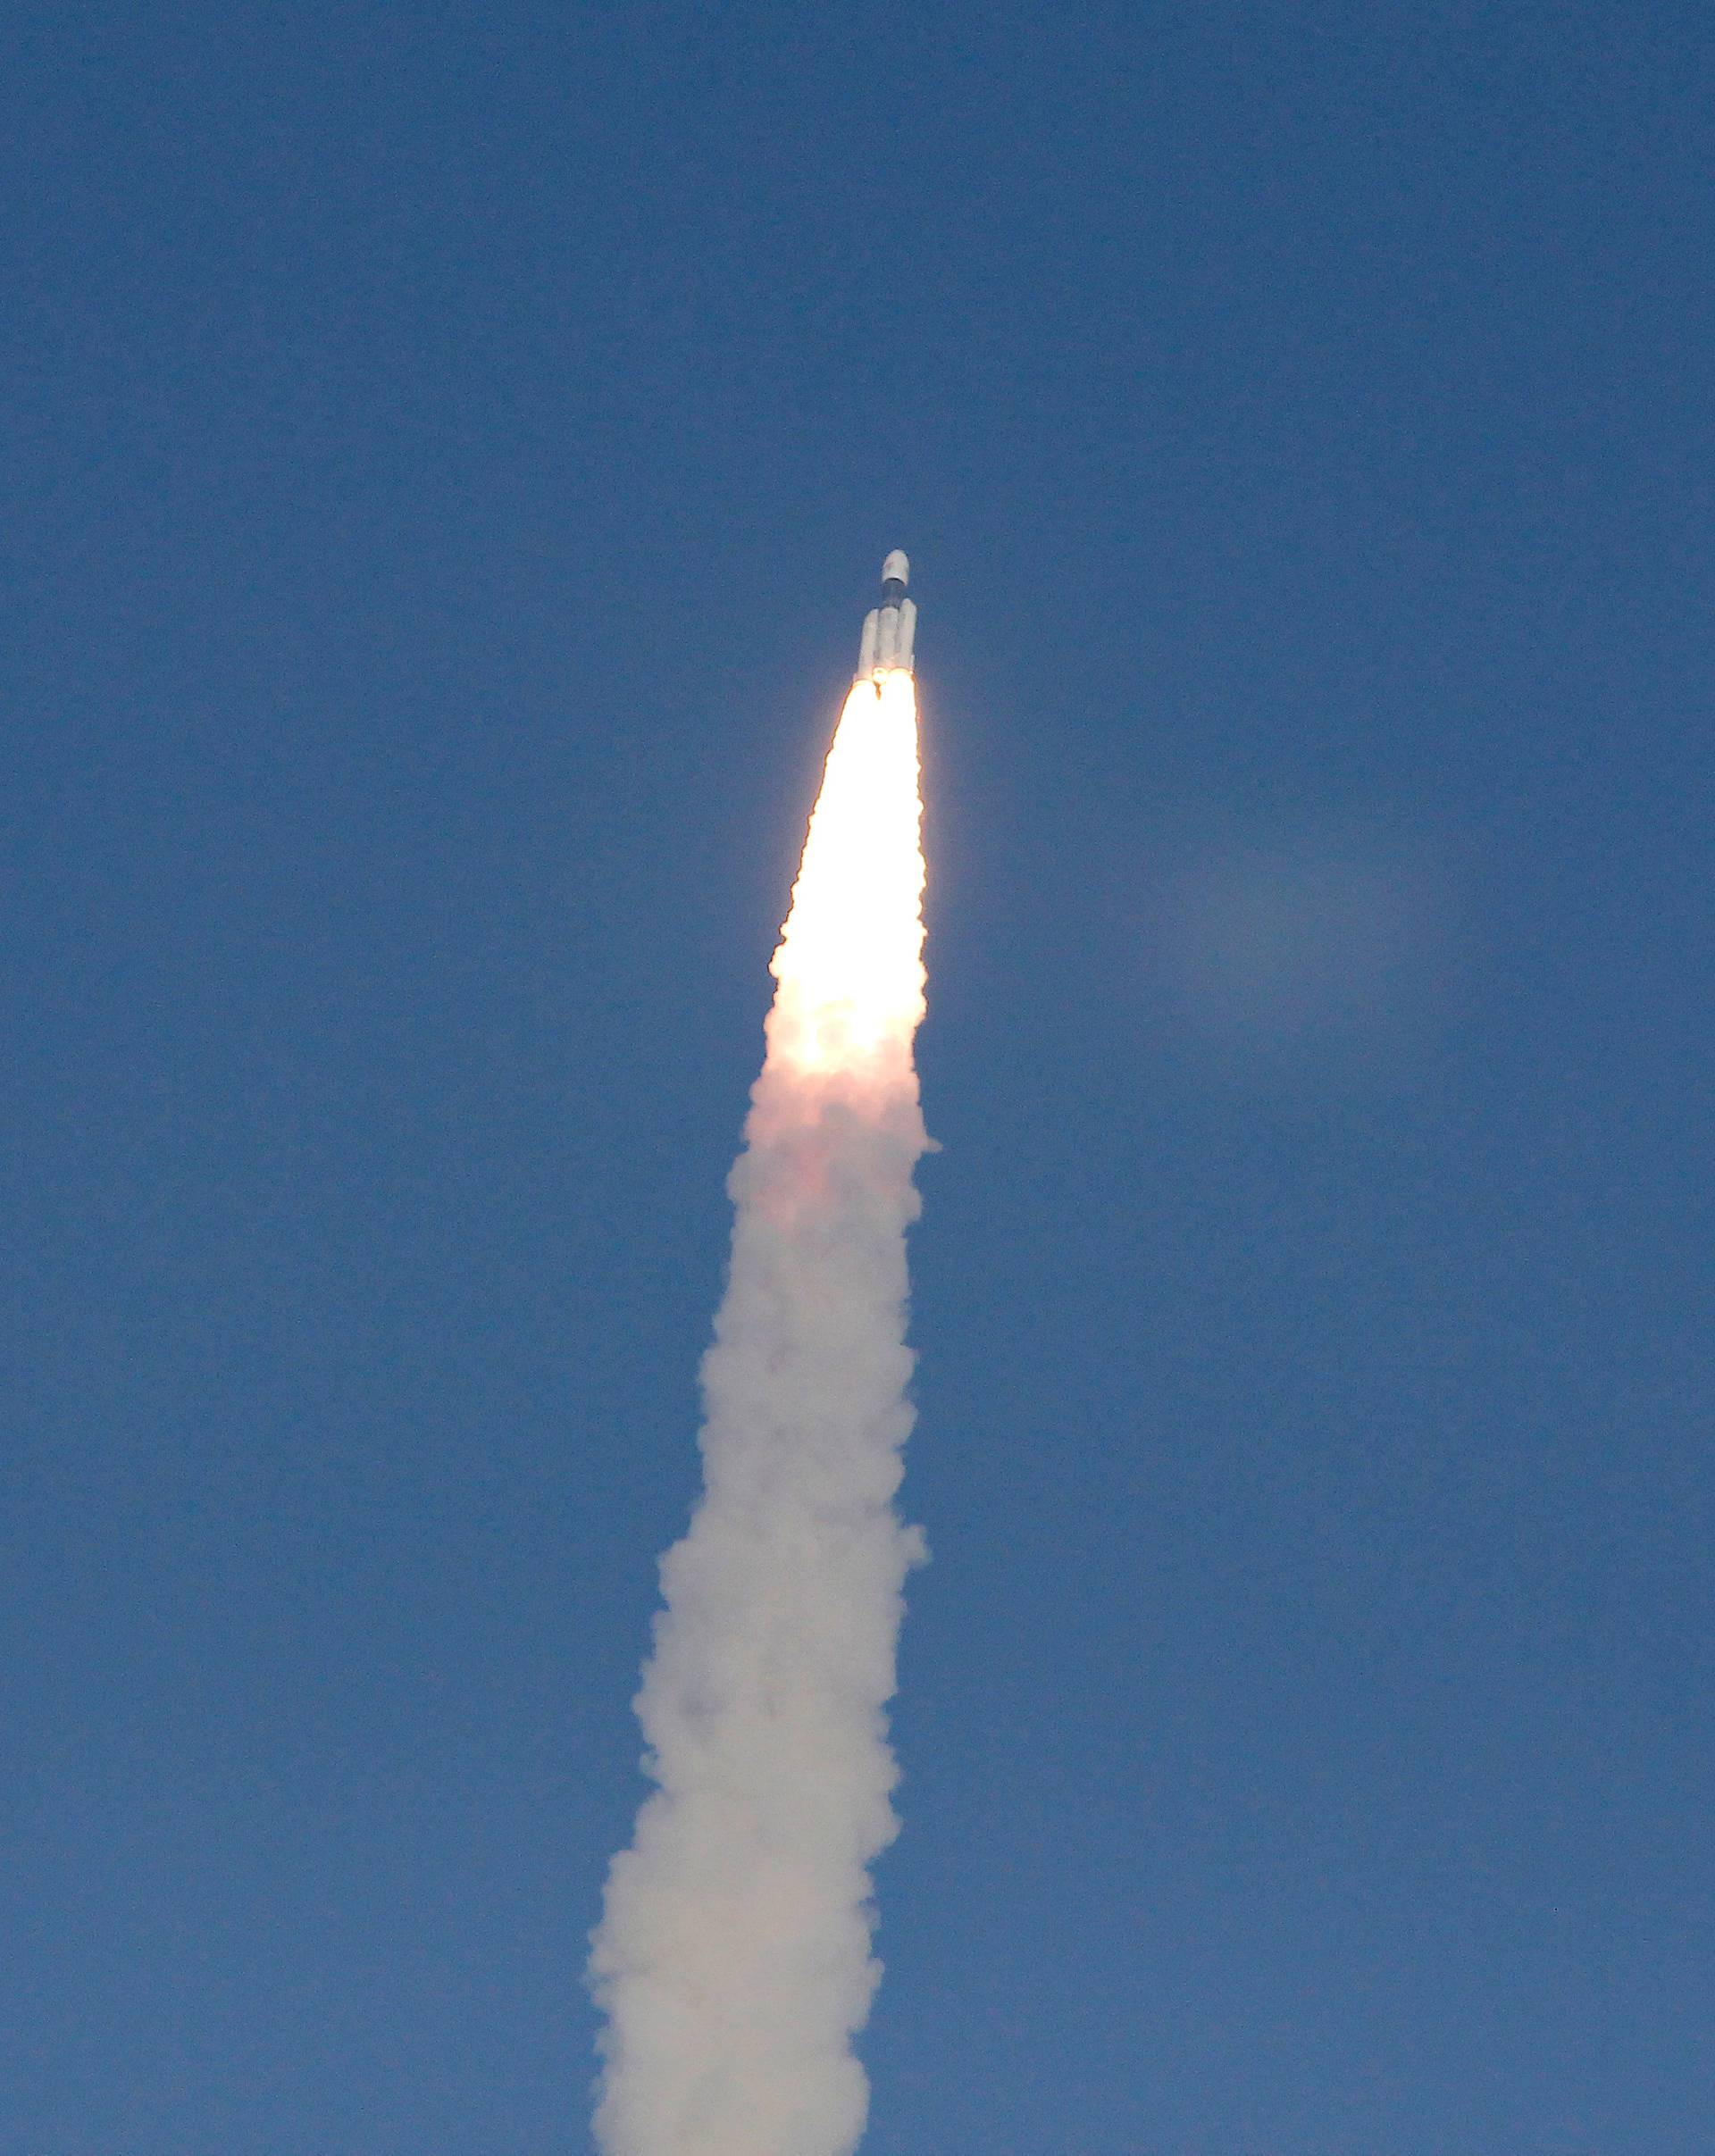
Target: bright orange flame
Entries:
(850, 960)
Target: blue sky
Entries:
(447, 454)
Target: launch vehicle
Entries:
(891, 628)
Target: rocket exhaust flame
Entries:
(733, 1959)
(850, 960)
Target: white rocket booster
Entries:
(891, 628)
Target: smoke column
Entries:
(733, 1959)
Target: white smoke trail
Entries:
(733, 1956)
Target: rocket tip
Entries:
(896, 565)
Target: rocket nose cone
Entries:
(896, 565)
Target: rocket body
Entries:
(889, 630)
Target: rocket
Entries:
(889, 629)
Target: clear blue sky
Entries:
(446, 453)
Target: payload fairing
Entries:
(889, 629)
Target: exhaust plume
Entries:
(733, 1959)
